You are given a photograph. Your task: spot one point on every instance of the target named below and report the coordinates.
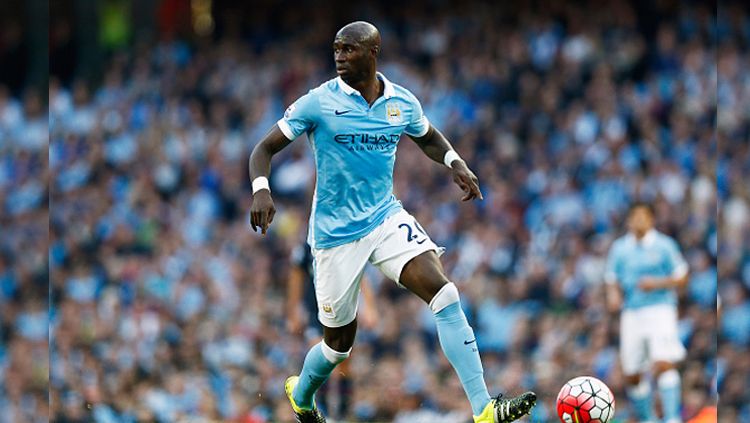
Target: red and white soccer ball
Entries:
(585, 399)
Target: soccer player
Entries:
(645, 267)
(354, 123)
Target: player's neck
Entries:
(371, 88)
(640, 236)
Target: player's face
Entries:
(641, 220)
(352, 59)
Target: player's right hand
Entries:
(294, 322)
(262, 211)
(614, 302)
(613, 306)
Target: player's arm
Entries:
(677, 279)
(262, 210)
(298, 118)
(612, 288)
(651, 283)
(293, 299)
(614, 297)
(368, 315)
(295, 288)
(434, 144)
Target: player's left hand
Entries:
(466, 180)
(649, 283)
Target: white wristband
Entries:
(259, 183)
(449, 157)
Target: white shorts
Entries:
(338, 270)
(647, 335)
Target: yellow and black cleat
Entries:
(300, 414)
(500, 410)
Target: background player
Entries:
(646, 266)
(353, 123)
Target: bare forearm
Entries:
(669, 282)
(294, 293)
(367, 294)
(260, 159)
(260, 162)
(434, 145)
(614, 297)
(263, 210)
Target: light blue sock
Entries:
(460, 347)
(315, 371)
(669, 390)
(642, 401)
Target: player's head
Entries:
(355, 51)
(640, 218)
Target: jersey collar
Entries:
(647, 240)
(388, 90)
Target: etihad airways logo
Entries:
(367, 142)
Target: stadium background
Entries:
(164, 305)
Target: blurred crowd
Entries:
(165, 306)
(733, 174)
(24, 271)
(24, 276)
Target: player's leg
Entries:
(313, 334)
(668, 381)
(666, 350)
(633, 360)
(339, 383)
(423, 276)
(337, 274)
(406, 255)
(321, 360)
(639, 393)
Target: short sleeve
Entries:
(299, 117)
(678, 267)
(610, 269)
(418, 124)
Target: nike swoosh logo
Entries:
(341, 113)
(469, 342)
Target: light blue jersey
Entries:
(354, 145)
(656, 255)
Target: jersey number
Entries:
(410, 236)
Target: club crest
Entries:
(393, 114)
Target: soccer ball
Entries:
(585, 399)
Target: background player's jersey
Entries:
(354, 146)
(303, 259)
(656, 255)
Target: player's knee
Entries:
(446, 296)
(423, 276)
(638, 387)
(668, 378)
(332, 355)
(633, 380)
(340, 338)
(661, 367)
